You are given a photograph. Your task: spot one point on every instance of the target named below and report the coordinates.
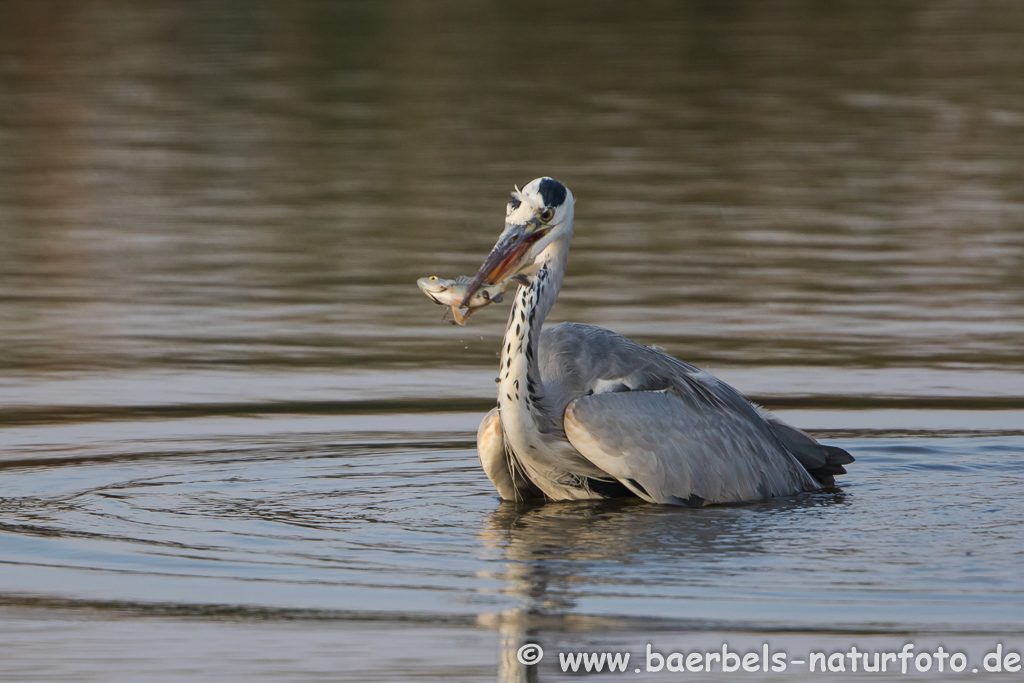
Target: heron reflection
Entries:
(557, 556)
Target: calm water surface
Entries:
(236, 442)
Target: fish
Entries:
(451, 292)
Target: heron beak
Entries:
(506, 257)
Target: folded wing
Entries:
(672, 449)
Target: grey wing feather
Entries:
(656, 444)
(668, 418)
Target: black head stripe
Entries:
(514, 203)
(552, 191)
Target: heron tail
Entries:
(835, 458)
(822, 462)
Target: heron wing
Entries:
(682, 449)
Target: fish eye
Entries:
(546, 214)
(433, 277)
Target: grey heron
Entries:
(586, 413)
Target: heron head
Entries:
(536, 216)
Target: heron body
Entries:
(586, 413)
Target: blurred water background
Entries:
(236, 442)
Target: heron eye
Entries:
(546, 214)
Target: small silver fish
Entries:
(451, 292)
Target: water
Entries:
(236, 442)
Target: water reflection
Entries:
(556, 552)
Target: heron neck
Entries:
(520, 388)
